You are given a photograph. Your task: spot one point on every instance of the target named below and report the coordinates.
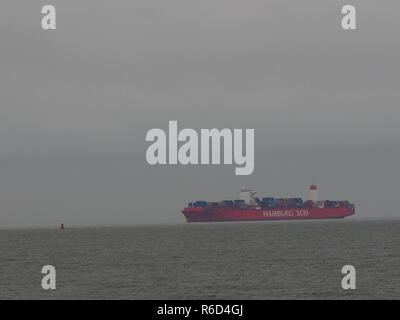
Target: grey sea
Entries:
(266, 260)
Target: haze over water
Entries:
(266, 260)
(77, 102)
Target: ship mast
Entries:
(313, 193)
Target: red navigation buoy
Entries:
(62, 226)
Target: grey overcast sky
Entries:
(76, 104)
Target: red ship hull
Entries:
(201, 214)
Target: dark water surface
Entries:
(266, 260)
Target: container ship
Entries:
(248, 207)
